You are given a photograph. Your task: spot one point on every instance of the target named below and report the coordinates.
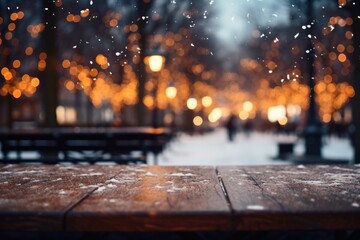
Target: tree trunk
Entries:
(50, 76)
(143, 10)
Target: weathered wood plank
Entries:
(294, 197)
(156, 199)
(36, 197)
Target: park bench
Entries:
(135, 198)
(91, 145)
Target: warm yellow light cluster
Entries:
(34, 30)
(250, 64)
(102, 61)
(248, 110)
(288, 93)
(17, 15)
(112, 19)
(17, 85)
(331, 97)
(75, 18)
(42, 61)
(99, 86)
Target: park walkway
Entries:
(254, 149)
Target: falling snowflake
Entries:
(296, 35)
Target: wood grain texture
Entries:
(153, 198)
(36, 197)
(292, 197)
(156, 199)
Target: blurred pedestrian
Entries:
(231, 127)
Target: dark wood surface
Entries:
(294, 197)
(37, 197)
(153, 198)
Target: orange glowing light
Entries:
(93, 72)
(340, 48)
(66, 63)
(8, 76)
(11, 26)
(20, 15)
(8, 36)
(332, 56)
(283, 121)
(16, 93)
(13, 16)
(101, 59)
(70, 85)
(42, 56)
(243, 115)
(26, 78)
(326, 118)
(35, 82)
(85, 13)
(29, 51)
(4, 70)
(113, 23)
(133, 28)
(148, 101)
(70, 18)
(206, 101)
(198, 121)
(350, 49)
(16, 63)
(41, 65)
(77, 18)
(342, 57)
(349, 35)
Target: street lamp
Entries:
(155, 62)
(171, 93)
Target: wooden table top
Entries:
(159, 198)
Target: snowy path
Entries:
(255, 149)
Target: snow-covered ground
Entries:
(255, 149)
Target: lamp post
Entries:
(171, 93)
(156, 62)
(312, 132)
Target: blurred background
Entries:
(279, 66)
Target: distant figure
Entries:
(231, 127)
(247, 128)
